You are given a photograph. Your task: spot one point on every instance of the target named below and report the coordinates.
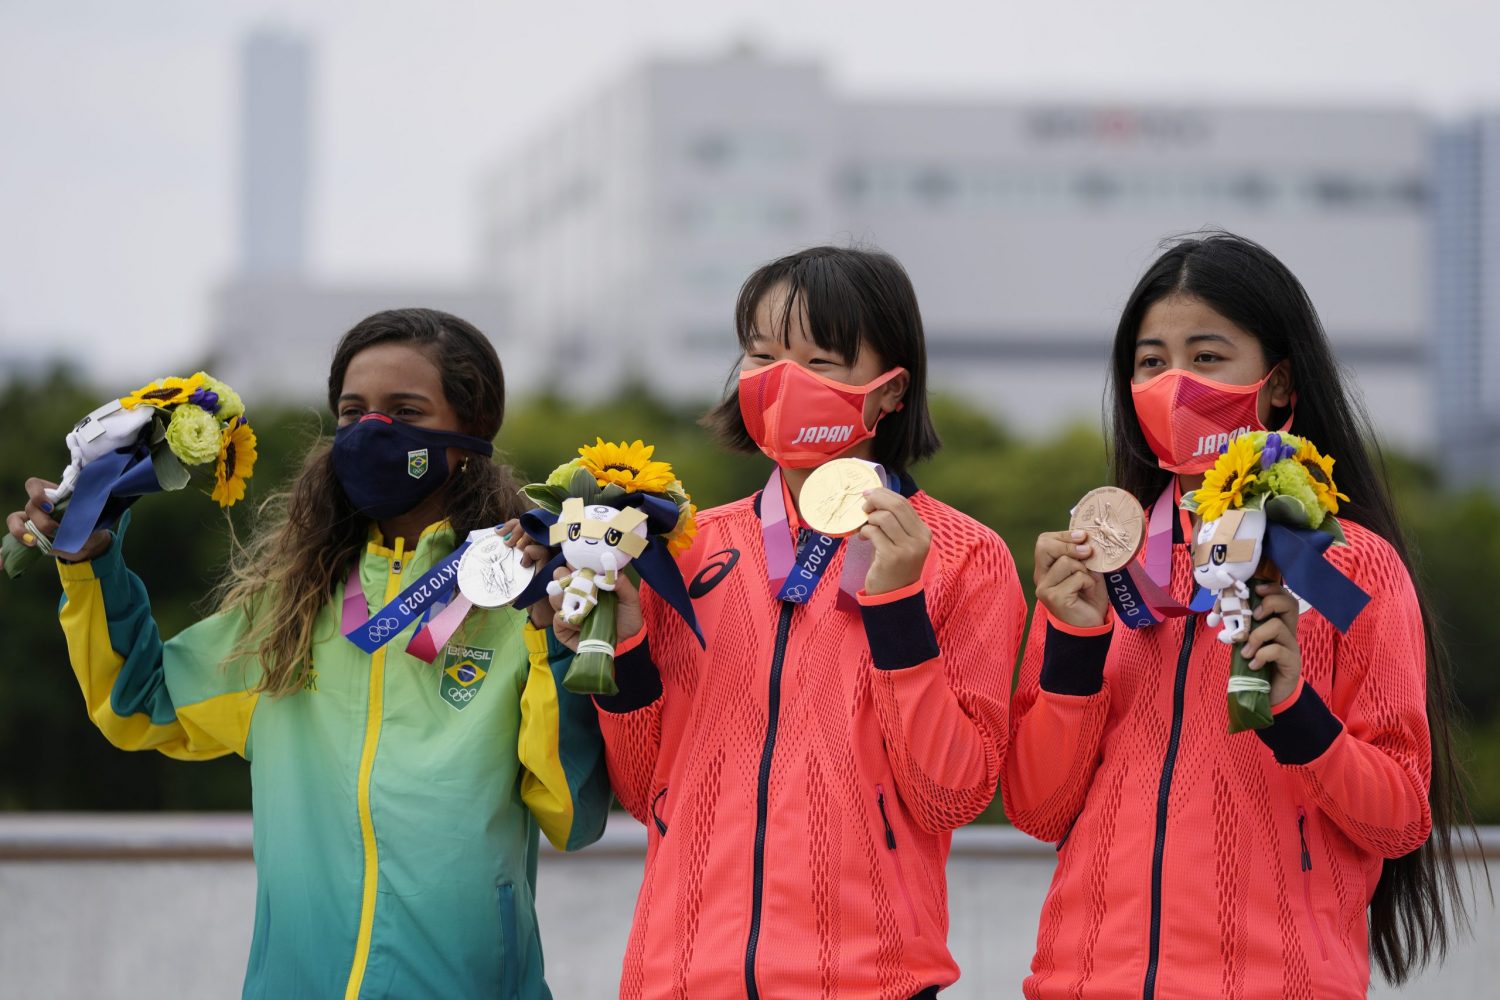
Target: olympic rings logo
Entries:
(384, 628)
(462, 694)
(796, 593)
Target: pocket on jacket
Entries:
(510, 965)
(907, 903)
(658, 807)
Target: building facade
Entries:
(623, 232)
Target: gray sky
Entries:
(118, 136)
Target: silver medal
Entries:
(490, 573)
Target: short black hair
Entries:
(854, 300)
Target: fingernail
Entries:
(1082, 550)
(1078, 536)
(46, 507)
(28, 539)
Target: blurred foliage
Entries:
(177, 543)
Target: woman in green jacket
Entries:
(396, 801)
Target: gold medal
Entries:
(833, 498)
(1116, 525)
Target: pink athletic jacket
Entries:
(799, 779)
(1193, 863)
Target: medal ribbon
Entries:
(1138, 589)
(414, 603)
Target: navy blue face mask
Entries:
(387, 467)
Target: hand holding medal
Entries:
(1105, 532)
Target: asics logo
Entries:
(718, 566)
(1212, 444)
(383, 628)
(819, 433)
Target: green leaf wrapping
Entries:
(171, 474)
(18, 558)
(1331, 526)
(1288, 510)
(584, 486)
(594, 673)
(548, 498)
(1248, 709)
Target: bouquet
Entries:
(1267, 513)
(612, 510)
(142, 443)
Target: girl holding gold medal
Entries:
(400, 769)
(799, 778)
(1192, 861)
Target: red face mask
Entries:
(1187, 418)
(802, 419)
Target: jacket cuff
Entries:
(637, 678)
(871, 600)
(1303, 731)
(107, 563)
(626, 645)
(900, 632)
(1062, 626)
(1074, 664)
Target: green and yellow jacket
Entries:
(396, 802)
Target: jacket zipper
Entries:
(374, 712)
(763, 796)
(1307, 882)
(1163, 796)
(890, 845)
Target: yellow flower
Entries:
(1225, 484)
(167, 393)
(681, 537)
(1320, 471)
(627, 465)
(236, 463)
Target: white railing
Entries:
(122, 906)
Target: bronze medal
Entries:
(1116, 525)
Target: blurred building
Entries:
(1466, 284)
(274, 325)
(623, 231)
(275, 152)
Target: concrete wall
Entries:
(110, 907)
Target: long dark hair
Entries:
(853, 299)
(1247, 285)
(307, 537)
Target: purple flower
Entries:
(1275, 450)
(206, 398)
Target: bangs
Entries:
(820, 290)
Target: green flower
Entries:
(193, 435)
(230, 404)
(563, 474)
(1289, 478)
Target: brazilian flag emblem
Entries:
(416, 463)
(464, 670)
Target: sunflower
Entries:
(1224, 485)
(1320, 471)
(236, 463)
(680, 539)
(626, 465)
(165, 394)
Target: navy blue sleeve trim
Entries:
(1304, 732)
(638, 679)
(1073, 664)
(900, 632)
